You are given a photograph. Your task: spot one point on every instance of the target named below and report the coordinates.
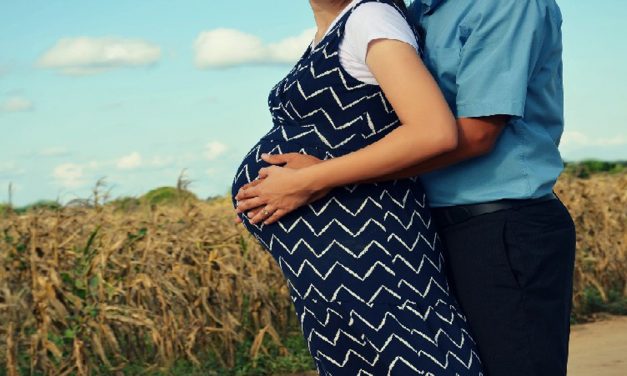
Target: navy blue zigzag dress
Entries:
(364, 264)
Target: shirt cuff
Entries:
(479, 109)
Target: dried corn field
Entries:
(599, 208)
(89, 290)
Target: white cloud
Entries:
(113, 105)
(54, 152)
(16, 104)
(161, 161)
(7, 166)
(573, 139)
(290, 49)
(577, 145)
(15, 187)
(8, 66)
(129, 162)
(95, 164)
(69, 175)
(222, 48)
(10, 169)
(87, 55)
(215, 149)
(76, 175)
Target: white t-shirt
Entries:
(368, 22)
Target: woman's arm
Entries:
(427, 129)
(477, 137)
(427, 125)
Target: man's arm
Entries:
(497, 61)
(477, 137)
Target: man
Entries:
(509, 242)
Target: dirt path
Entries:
(596, 349)
(599, 348)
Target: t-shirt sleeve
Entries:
(373, 21)
(499, 57)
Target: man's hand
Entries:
(289, 160)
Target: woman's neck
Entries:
(325, 12)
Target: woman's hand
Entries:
(280, 190)
(288, 160)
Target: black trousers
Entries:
(512, 272)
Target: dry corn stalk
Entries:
(88, 290)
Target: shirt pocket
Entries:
(443, 63)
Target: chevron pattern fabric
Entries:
(364, 264)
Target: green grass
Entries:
(586, 168)
(272, 363)
(593, 303)
(167, 195)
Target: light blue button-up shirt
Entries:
(498, 57)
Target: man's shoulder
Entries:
(511, 3)
(473, 14)
(530, 8)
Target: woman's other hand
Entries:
(280, 191)
(253, 201)
(291, 160)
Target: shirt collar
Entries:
(430, 5)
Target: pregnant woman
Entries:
(363, 263)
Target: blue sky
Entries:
(135, 91)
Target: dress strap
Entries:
(340, 26)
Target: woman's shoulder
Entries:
(374, 8)
(373, 19)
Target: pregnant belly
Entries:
(249, 168)
(352, 215)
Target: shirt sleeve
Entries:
(372, 21)
(499, 56)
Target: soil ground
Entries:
(599, 348)
(596, 349)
